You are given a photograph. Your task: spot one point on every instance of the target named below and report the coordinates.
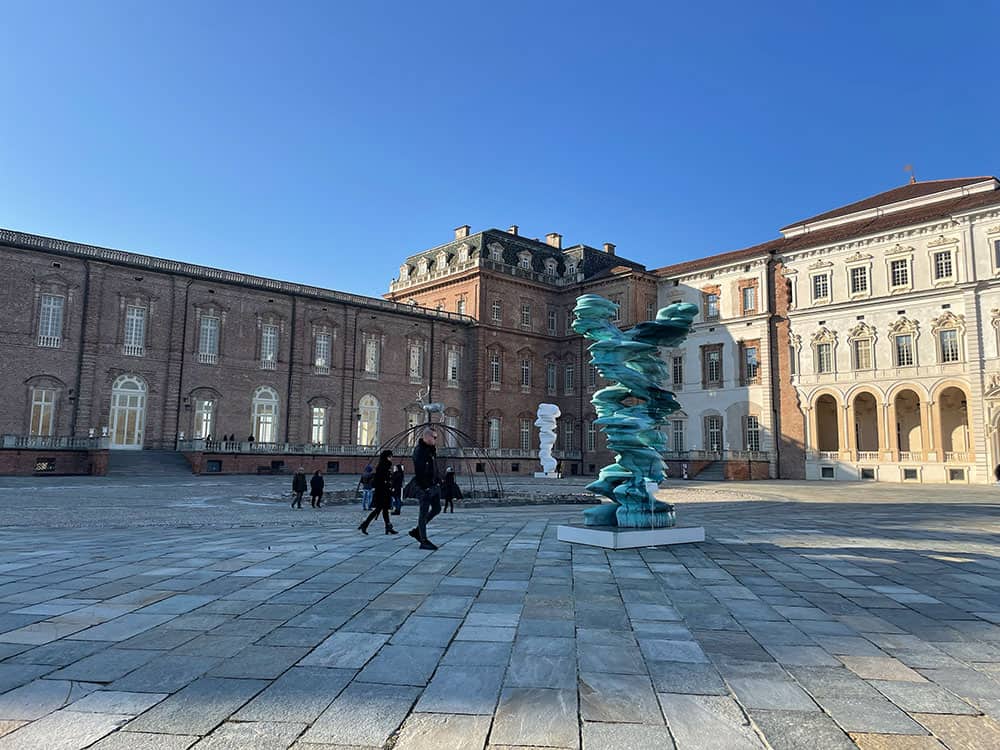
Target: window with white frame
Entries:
(264, 415)
(412, 420)
(135, 331)
(711, 305)
(493, 425)
(677, 371)
(591, 376)
(553, 320)
(821, 287)
(524, 261)
(650, 309)
(713, 433)
(749, 300)
(996, 252)
(751, 366)
(208, 339)
(949, 345)
(591, 435)
(859, 280)
(616, 316)
(496, 252)
(268, 346)
(899, 273)
(525, 373)
(793, 356)
(496, 311)
(753, 433)
(415, 360)
(526, 314)
(204, 417)
(862, 354)
(495, 368)
(677, 428)
(944, 268)
(551, 376)
(371, 355)
(321, 353)
(50, 320)
(318, 432)
(460, 306)
(369, 420)
(43, 411)
(712, 366)
(524, 431)
(450, 420)
(568, 428)
(550, 267)
(453, 366)
(569, 378)
(904, 350)
(824, 357)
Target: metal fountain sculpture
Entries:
(631, 410)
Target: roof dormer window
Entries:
(550, 267)
(524, 261)
(422, 267)
(441, 262)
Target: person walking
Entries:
(366, 488)
(450, 491)
(298, 487)
(398, 475)
(426, 476)
(316, 485)
(381, 494)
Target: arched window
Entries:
(204, 417)
(264, 415)
(369, 415)
(128, 411)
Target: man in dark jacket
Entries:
(426, 475)
(298, 487)
(316, 485)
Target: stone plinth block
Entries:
(548, 475)
(616, 537)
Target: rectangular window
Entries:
(751, 367)
(943, 268)
(494, 368)
(321, 353)
(208, 340)
(792, 364)
(591, 376)
(821, 287)
(711, 305)
(449, 435)
(416, 361)
(526, 315)
(551, 376)
(371, 355)
(494, 433)
(570, 374)
(525, 373)
(712, 367)
(863, 354)
(268, 347)
(859, 280)
(996, 252)
(50, 320)
(677, 372)
(949, 346)
(899, 273)
(713, 434)
(453, 362)
(678, 435)
(749, 300)
(904, 350)
(753, 433)
(318, 425)
(204, 417)
(524, 262)
(460, 306)
(824, 357)
(591, 436)
(496, 311)
(135, 331)
(553, 322)
(43, 410)
(567, 428)
(525, 434)
(650, 310)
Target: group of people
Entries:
(382, 489)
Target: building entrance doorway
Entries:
(128, 413)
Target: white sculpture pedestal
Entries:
(615, 537)
(548, 475)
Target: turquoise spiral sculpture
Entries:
(632, 409)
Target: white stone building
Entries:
(894, 311)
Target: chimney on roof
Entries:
(552, 239)
(462, 231)
(512, 230)
(609, 248)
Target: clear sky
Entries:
(324, 141)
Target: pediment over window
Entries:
(904, 325)
(858, 257)
(942, 240)
(824, 336)
(898, 249)
(862, 331)
(820, 264)
(948, 320)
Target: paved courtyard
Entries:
(206, 613)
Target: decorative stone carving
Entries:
(631, 409)
(858, 257)
(546, 424)
(947, 321)
(820, 264)
(942, 240)
(904, 325)
(824, 336)
(861, 331)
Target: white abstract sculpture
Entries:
(546, 424)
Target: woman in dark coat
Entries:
(381, 493)
(316, 485)
(450, 491)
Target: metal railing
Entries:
(54, 442)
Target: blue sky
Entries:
(323, 142)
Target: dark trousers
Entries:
(316, 500)
(374, 514)
(448, 503)
(297, 502)
(430, 506)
